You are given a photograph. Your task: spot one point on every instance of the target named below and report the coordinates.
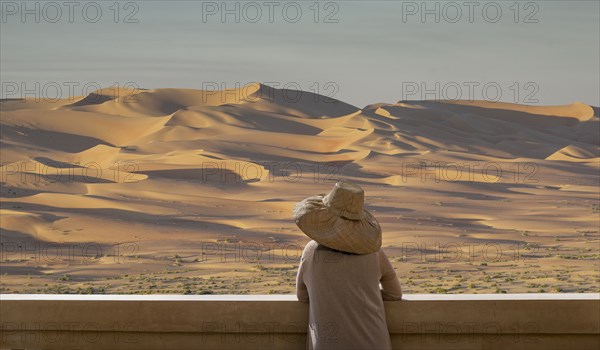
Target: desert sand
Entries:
(190, 191)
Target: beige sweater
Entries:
(346, 304)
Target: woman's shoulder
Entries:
(380, 252)
(310, 248)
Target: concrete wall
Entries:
(511, 321)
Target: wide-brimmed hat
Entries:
(338, 220)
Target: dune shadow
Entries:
(526, 135)
(56, 163)
(131, 216)
(311, 104)
(55, 140)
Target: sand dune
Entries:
(166, 171)
(575, 152)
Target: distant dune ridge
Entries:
(169, 170)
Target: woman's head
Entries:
(339, 221)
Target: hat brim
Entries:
(362, 236)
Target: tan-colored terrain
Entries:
(189, 191)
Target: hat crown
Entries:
(346, 200)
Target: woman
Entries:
(341, 270)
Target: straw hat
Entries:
(337, 220)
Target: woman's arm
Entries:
(301, 290)
(390, 285)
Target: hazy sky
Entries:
(362, 52)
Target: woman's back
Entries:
(346, 302)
